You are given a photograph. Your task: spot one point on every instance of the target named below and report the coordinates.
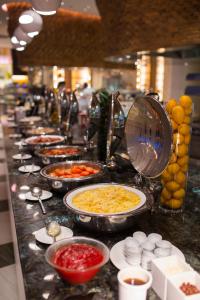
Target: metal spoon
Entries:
(53, 230)
(37, 192)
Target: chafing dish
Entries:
(63, 184)
(33, 146)
(30, 121)
(107, 222)
(39, 131)
(50, 159)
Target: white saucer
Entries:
(42, 236)
(45, 195)
(118, 259)
(19, 156)
(29, 169)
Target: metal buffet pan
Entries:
(148, 136)
(34, 146)
(40, 131)
(64, 184)
(109, 222)
(50, 158)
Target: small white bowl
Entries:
(162, 252)
(140, 236)
(154, 237)
(148, 246)
(164, 244)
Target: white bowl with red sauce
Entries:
(77, 259)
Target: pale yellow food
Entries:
(106, 200)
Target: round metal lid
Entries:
(149, 136)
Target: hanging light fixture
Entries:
(21, 37)
(46, 7)
(31, 22)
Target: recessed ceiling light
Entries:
(4, 7)
(20, 48)
(120, 59)
(32, 34)
(128, 56)
(25, 19)
(14, 40)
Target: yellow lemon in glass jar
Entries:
(178, 114)
(187, 139)
(184, 168)
(184, 129)
(170, 104)
(172, 186)
(173, 158)
(187, 120)
(173, 168)
(178, 138)
(175, 203)
(188, 111)
(185, 101)
(174, 125)
(180, 177)
(166, 176)
(183, 160)
(181, 150)
(166, 194)
(179, 194)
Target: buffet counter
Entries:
(39, 280)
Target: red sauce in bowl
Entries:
(78, 260)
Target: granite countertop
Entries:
(42, 282)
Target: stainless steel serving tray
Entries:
(108, 222)
(29, 132)
(148, 136)
(47, 159)
(62, 184)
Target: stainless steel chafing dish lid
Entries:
(148, 136)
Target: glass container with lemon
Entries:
(174, 177)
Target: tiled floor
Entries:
(8, 278)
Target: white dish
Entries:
(45, 195)
(19, 156)
(20, 143)
(102, 185)
(15, 136)
(30, 119)
(29, 169)
(118, 259)
(30, 140)
(42, 236)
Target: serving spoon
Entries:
(53, 230)
(37, 192)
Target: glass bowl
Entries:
(72, 275)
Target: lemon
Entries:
(188, 111)
(185, 101)
(181, 150)
(183, 160)
(184, 168)
(174, 125)
(172, 186)
(184, 129)
(170, 104)
(178, 114)
(180, 177)
(166, 176)
(174, 203)
(187, 120)
(187, 139)
(173, 158)
(178, 138)
(179, 194)
(173, 168)
(166, 194)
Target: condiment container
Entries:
(136, 292)
(164, 268)
(174, 177)
(174, 283)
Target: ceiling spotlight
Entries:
(46, 7)
(21, 36)
(128, 56)
(20, 48)
(31, 22)
(14, 40)
(4, 7)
